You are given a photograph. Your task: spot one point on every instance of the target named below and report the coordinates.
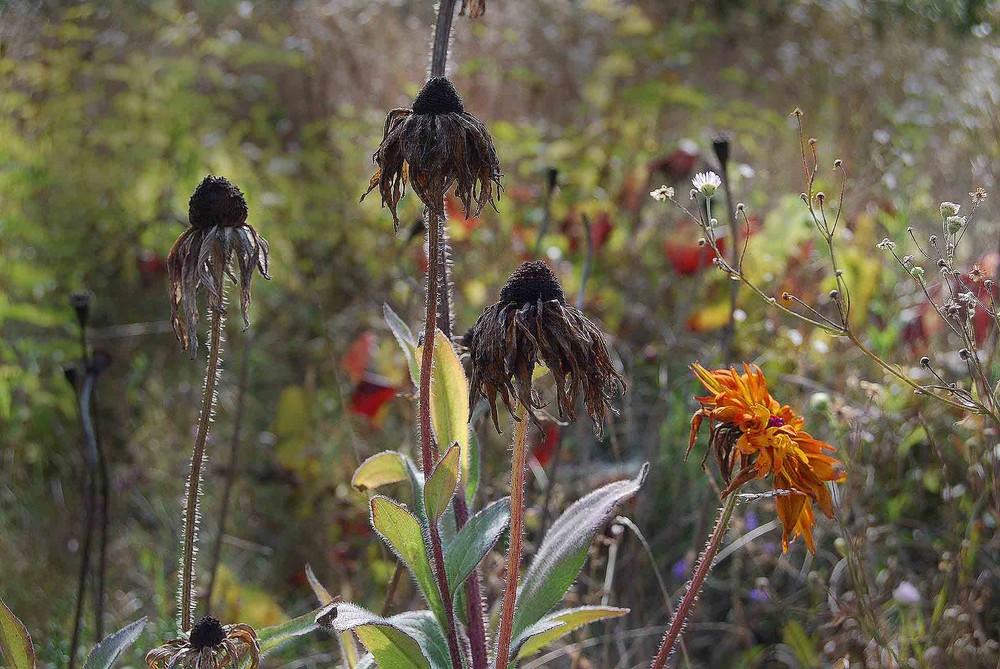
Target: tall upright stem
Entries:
(234, 451)
(519, 462)
(432, 223)
(445, 321)
(90, 501)
(705, 563)
(192, 493)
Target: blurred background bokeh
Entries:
(112, 112)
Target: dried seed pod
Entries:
(532, 323)
(433, 146)
(217, 213)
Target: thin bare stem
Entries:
(234, 449)
(192, 493)
(518, 463)
(705, 563)
(473, 592)
(90, 500)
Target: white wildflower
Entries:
(706, 183)
(662, 194)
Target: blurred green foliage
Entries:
(111, 113)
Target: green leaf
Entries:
(474, 541)
(441, 484)
(564, 550)
(801, 643)
(407, 342)
(383, 469)
(450, 400)
(274, 637)
(15, 642)
(106, 652)
(471, 479)
(557, 625)
(390, 643)
(322, 594)
(401, 531)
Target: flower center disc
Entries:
(207, 633)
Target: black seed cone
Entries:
(438, 96)
(217, 202)
(531, 281)
(207, 633)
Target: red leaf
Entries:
(370, 395)
(355, 361)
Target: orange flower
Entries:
(755, 436)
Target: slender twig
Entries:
(102, 551)
(729, 333)
(192, 493)
(90, 502)
(433, 224)
(518, 463)
(705, 563)
(234, 449)
(390, 593)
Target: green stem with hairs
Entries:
(518, 464)
(192, 492)
(705, 563)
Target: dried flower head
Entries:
(533, 323)
(217, 213)
(472, 8)
(81, 300)
(433, 146)
(662, 194)
(753, 437)
(209, 645)
(721, 144)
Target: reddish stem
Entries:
(432, 221)
(694, 587)
(518, 463)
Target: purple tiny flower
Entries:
(759, 596)
(681, 568)
(752, 521)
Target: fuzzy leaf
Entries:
(274, 637)
(106, 652)
(558, 624)
(564, 550)
(15, 642)
(450, 400)
(474, 541)
(322, 594)
(441, 484)
(402, 532)
(405, 641)
(407, 342)
(383, 469)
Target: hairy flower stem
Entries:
(518, 464)
(442, 37)
(192, 493)
(705, 562)
(431, 221)
(234, 448)
(476, 622)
